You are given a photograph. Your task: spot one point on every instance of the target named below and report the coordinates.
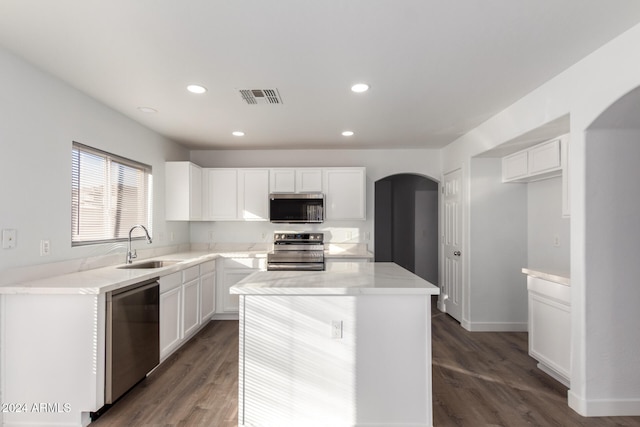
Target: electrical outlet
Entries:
(9, 238)
(211, 235)
(45, 247)
(336, 329)
(171, 236)
(556, 241)
(160, 236)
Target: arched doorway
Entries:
(605, 357)
(406, 223)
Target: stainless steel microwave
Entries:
(296, 207)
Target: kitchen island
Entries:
(348, 346)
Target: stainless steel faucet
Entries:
(132, 254)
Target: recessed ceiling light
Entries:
(237, 133)
(360, 87)
(147, 110)
(347, 133)
(196, 89)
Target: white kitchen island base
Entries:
(350, 346)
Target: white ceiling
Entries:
(437, 68)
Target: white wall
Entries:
(612, 267)
(379, 164)
(498, 250)
(40, 116)
(545, 224)
(583, 91)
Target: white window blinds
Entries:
(109, 195)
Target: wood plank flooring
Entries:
(479, 379)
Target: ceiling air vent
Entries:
(261, 96)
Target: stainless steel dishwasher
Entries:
(133, 336)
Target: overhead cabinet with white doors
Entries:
(345, 193)
(298, 180)
(242, 194)
(546, 160)
(183, 191)
(538, 162)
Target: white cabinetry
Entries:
(187, 301)
(298, 180)
(221, 194)
(539, 162)
(345, 192)
(183, 191)
(207, 290)
(170, 313)
(550, 327)
(231, 271)
(515, 166)
(253, 194)
(237, 194)
(191, 300)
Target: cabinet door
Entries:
(515, 166)
(282, 180)
(170, 317)
(191, 307)
(222, 196)
(253, 194)
(308, 180)
(231, 277)
(345, 193)
(183, 191)
(544, 157)
(195, 192)
(207, 296)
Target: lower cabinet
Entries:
(231, 271)
(191, 306)
(550, 327)
(207, 290)
(170, 313)
(187, 302)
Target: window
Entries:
(109, 195)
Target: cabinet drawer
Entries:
(190, 273)
(170, 281)
(207, 267)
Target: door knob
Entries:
(457, 253)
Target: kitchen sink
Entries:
(149, 264)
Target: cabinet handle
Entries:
(457, 253)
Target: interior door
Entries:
(451, 295)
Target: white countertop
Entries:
(551, 277)
(346, 278)
(92, 281)
(106, 279)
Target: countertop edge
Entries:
(562, 280)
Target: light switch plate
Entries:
(9, 237)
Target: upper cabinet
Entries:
(242, 194)
(253, 194)
(299, 180)
(221, 194)
(236, 194)
(183, 191)
(345, 192)
(538, 162)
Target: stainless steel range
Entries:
(296, 251)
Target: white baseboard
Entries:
(495, 326)
(555, 374)
(604, 407)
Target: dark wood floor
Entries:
(479, 379)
